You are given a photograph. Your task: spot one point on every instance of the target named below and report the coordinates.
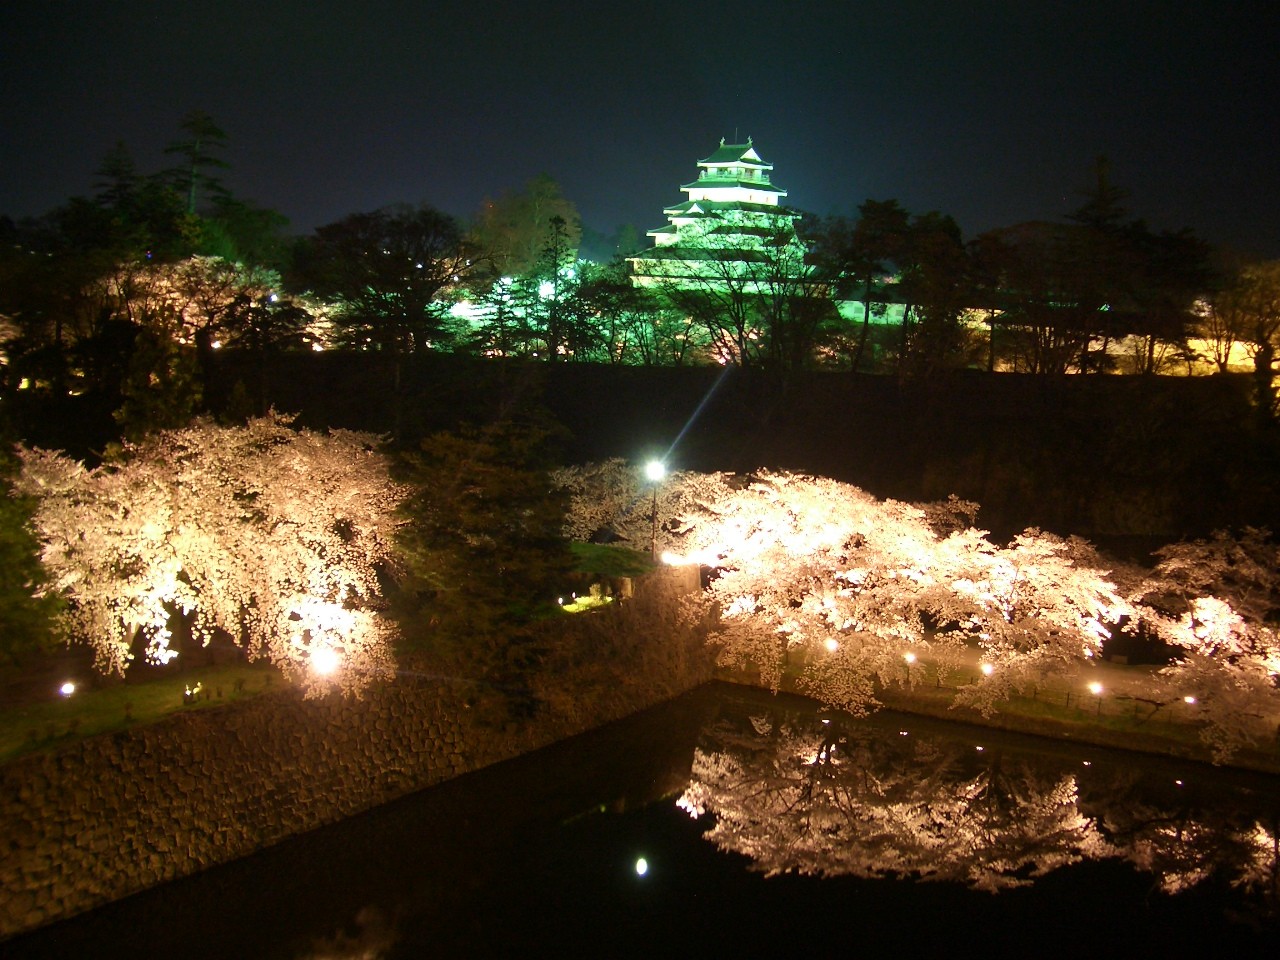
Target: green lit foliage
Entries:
(387, 271)
(744, 281)
(933, 282)
(592, 311)
(500, 326)
(857, 259)
(606, 319)
(198, 151)
(243, 232)
(482, 538)
(557, 325)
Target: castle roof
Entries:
(739, 153)
(717, 178)
(691, 208)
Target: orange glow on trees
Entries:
(821, 581)
(270, 535)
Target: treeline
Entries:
(127, 294)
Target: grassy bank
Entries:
(1066, 710)
(49, 723)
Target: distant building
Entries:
(731, 229)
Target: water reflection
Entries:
(369, 937)
(799, 790)
(825, 837)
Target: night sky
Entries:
(991, 111)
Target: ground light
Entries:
(642, 867)
(1096, 689)
(67, 689)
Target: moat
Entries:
(893, 832)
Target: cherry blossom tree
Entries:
(269, 535)
(1216, 600)
(819, 578)
(823, 583)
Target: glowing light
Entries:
(909, 657)
(672, 559)
(1095, 688)
(832, 644)
(1188, 699)
(655, 470)
(642, 867)
(67, 689)
(980, 749)
(988, 669)
(325, 661)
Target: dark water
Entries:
(893, 835)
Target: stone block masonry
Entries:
(108, 816)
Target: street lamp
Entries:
(654, 471)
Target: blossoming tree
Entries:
(270, 535)
(1217, 601)
(820, 580)
(820, 577)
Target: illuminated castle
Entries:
(730, 228)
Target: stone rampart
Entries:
(109, 816)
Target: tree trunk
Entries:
(1263, 377)
(866, 325)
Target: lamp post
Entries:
(654, 471)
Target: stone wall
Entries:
(109, 816)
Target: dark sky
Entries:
(990, 110)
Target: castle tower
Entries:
(730, 225)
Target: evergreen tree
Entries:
(198, 149)
(483, 536)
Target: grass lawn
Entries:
(51, 723)
(602, 560)
(1060, 709)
